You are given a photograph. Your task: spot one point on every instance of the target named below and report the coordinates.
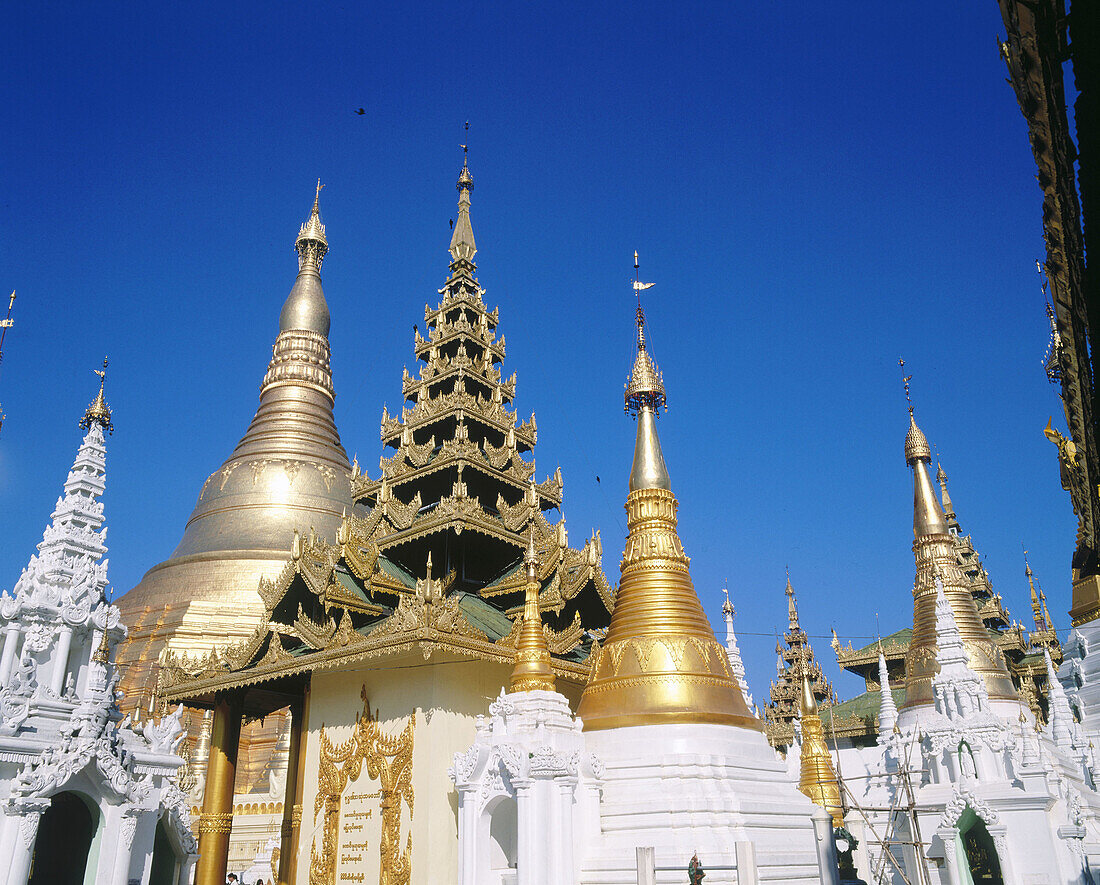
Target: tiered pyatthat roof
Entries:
(435, 552)
(794, 661)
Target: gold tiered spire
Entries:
(660, 662)
(817, 778)
(98, 412)
(933, 548)
(463, 248)
(532, 671)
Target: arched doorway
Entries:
(979, 850)
(64, 841)
(503, 841)
(164, 868)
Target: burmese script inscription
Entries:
(365, 800)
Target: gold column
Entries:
(292, 801)
(216, 819)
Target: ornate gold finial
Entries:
(311, 245)
(817, 778)
(465, 180)
(905, 381)
(916, 443)
(792, 605)
(645, 388)
(102, 654)
(463, 248)
(532, 671)
(98, 412)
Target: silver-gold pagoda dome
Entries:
(289, 472)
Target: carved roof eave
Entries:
(496, 348)
(517, 477)
(429, 524)
(449, 370)
(185, 688)
(526, 431)
(850, 659)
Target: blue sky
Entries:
(816, 190)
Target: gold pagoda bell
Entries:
(660, 662)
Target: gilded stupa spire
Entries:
(532, 671)
(463, 248)
(98, 412)
(817, 778)
(644, 396)
(792, 605)
(660, 662)
(934, 552)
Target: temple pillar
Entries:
(20, 832)
(292, 798)
(11, 640)
(563, 854)
(527, 870)
(216, 819)
(826, 847)
(61, 661)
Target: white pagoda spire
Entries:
(58, 611)
(732, 651)
(887, 710)
(959, 691)
(1060, 716)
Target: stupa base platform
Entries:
(696, 789)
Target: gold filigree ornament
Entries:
(388, 760)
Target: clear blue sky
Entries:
(815, 189)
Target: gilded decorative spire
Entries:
(311, 244)
(817, 778)
(305, 308)
(941, 481)
(102, 654)
(463, 248)
(644, 396)
(98, 412)
(660, 662)
(1036, 606)
(792, 605)
(532, 671)
(934, 551)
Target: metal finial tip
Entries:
(98, 412)
(635, 259)
(317, 198)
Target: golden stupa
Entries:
(933, 547)
(289, 472)
(660, 662)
